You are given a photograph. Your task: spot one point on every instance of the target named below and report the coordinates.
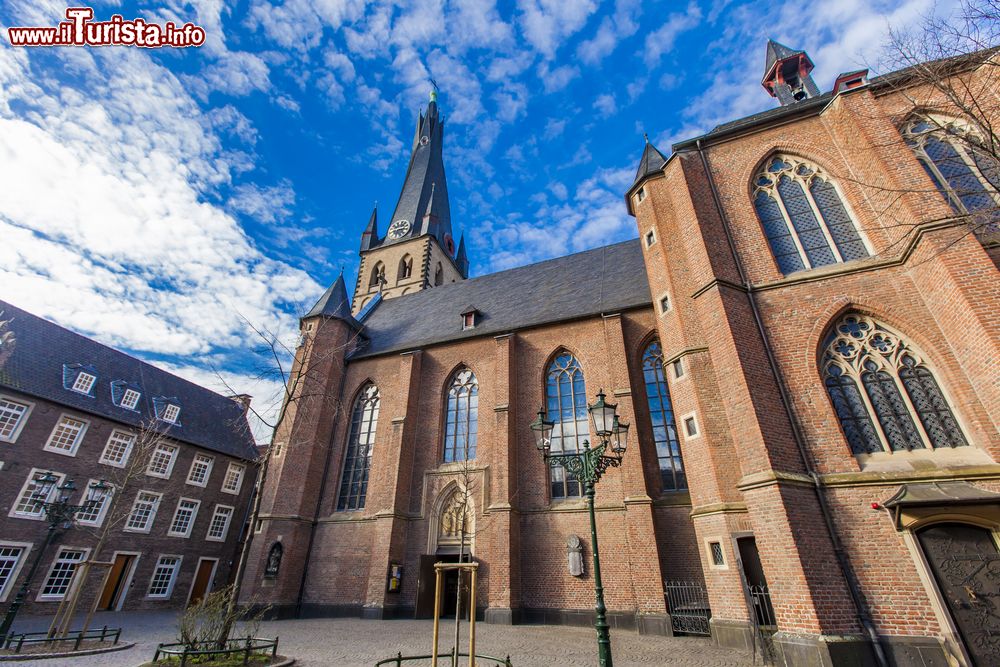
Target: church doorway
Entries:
(451, 589)
(451, 533)
(965, 562)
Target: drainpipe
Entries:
(862, 611)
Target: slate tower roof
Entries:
(423, 201)
(651, 162)
(786, 74)
(335, 303)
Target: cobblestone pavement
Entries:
(347, 642)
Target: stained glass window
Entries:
(803, 216)
(885, 396)
(360, 441)
(461, 417)
(661, 414)
(566, 405)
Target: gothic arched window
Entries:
(461, 417)
(566, 405)
(803, 216)
(360, 441)
(967, 176)
(439, 275)
(378, 276)
(869, 372)
(405, 268)
(661, 414)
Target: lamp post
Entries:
(60, 514)
(588, 466)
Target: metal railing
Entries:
(687, 604)
(400, 659)
(248, 647)
(763, 621)
(17, 641)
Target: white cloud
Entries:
(546, 23)
(606, 104)
(554, 80)
(264, 203)
(661, 40)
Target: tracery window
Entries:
(378, 276)
(405, 268)
(661, 414)
(566, 405)
(360, 441)
(461, 417)
(871, 371)
(966, 175)
(804, 219)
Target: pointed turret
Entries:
(425, 189)
(652, 162)
(786, 74)
(370, 236)
(335, 304)
(461, 260)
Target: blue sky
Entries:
(155, 198)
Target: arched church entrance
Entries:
(450, 539)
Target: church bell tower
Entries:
(787, 74)
(418, 250)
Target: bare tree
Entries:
(122, 480)
(6, 340)
(300, 369)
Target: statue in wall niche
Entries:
(273, 561)
(574, 553)
(453, 517)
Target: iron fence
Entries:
(687, 604)
(400, 659)
(17, 641)
(237, 648)
(763, 622)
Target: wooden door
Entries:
(115, 583)
(202, 581)
(965, 562)
(425, 588)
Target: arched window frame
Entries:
(378, 275)
(405, 268)
(958, 134)
(564, 380)
(461, 425)
(858, 346)
(358, 452)
(439, 275)
(803, 172)
(664, 427)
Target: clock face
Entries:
(399, 229)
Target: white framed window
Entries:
(13, 415)
(665, 304)
(12, 558)
(468, 321)
(640, 194)
(60, 575)
(66, 436)
(678, 366)
(201, 468)
(691, 426)
(233, 481)
(118, 448)
(143, 514)
(161, 463)
(84, 382)
(161, 585)
(94, 516)
(130, 399)
(218, 527)
(184, 516)
(650, 238)
(716, 555)
(26, 506)
(170, 413)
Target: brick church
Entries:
(804, 337)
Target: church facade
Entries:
(804, 338)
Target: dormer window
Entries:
(84, 382)
(130, 399)
(469, 318)
(170, 413)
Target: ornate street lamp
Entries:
(60, 514)
(588, 466)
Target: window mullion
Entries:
(876, 422)
(791, 228)
(949, 191)
(914, 415)
(976, 170)
(821, 220)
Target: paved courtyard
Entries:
(359, 643)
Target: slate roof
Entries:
(42, 348)
(777, 51)
(603, 280)
(651, 162)
(335, 303)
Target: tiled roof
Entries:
(42, 351)
(603, 280)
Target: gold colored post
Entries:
(437, 613)
(472, 620)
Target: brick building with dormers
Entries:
(810, 369)
(83, 410)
